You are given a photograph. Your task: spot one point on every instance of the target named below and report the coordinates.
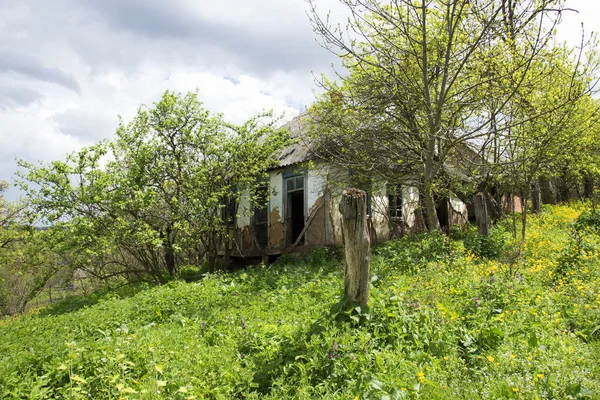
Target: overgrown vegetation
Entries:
(160, 195)
(450, 318)
(457, 98)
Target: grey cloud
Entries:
(260, 50)
(100, 44)
(148, 18)
(25, 65)
(87, 125)
(16, 96)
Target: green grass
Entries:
(448, 319)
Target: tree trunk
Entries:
(357, 246)
(169, 252)
(481, 213)
(430, 212)
(494, 204)
(536, 201)
(524, 197)
(588, 187)
(563, 184)
(546, 191)
(524, 220)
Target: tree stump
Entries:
(357, 245)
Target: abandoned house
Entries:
(302, 197)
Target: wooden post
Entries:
(481, 213)
(357, 245)
(328, 225)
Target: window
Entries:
(261, 216)
(395, 201)
(294, 184)
(229, 211)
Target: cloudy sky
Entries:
(69, 67)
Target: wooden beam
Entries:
(308, 222)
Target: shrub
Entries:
(442, 323)
(411, 253)
(488, 246)
(588, 220)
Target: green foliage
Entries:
(411, 253)
(588, 220)
(154, 197)
(457, 329)
(26, 259)
(488, 246)
(454, 96)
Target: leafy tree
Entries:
(545, 123)
(10, 236)
(154, 197)
(418, 77)
(26, 262)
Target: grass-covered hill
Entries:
(466, 318)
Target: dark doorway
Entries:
(294, 215)
(443, 214)
(296, 204)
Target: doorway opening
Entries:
(295, 209)
(443, 214)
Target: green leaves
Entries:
(152, 198)
(458, 328)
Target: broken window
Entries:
(261, 216)
(394, 201)
(228, 211)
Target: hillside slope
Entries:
(452, 319)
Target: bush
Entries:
(457, 329)
(411, 253)
(588, 220)
(489, 246)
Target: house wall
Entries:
(243, 236)
(322, 198)
(410, 205)
(276, 211)
(507, 203)
(336, 189)
(379, 223)
(318, 203)
(459, 215)
(244, 216)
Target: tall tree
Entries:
(26, 261)
(546, 122)
(418, 74)
(137, 205)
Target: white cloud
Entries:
(77, 65)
